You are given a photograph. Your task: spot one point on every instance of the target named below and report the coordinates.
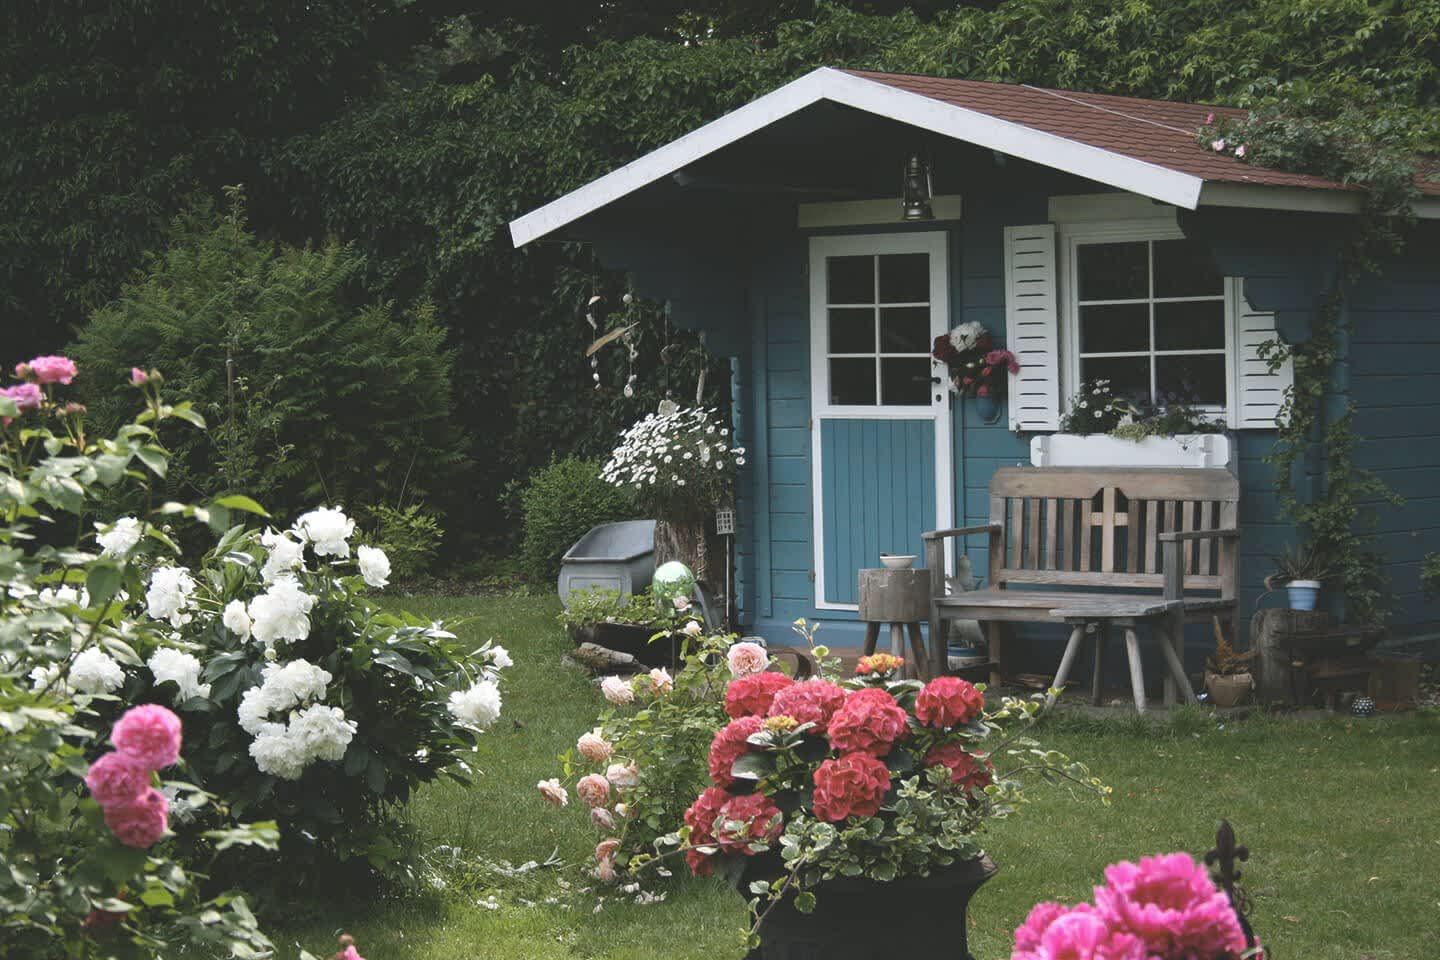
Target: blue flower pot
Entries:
(987, 408)
(1303, 594)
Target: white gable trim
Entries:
(826, 83)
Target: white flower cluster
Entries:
(285, 555)
(168, 598)
(95, 671)
(120, 537)
(966, 335)
(280, 613)
(326, 529)
(169, 664)
(673, 448)
(478, 705)
(316, 732)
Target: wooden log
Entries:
(894, 596)
(604, 660)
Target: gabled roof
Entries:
(1147, 147)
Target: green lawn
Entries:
(1343, 819)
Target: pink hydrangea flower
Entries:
(141, 823)
(150, 735)
(1170, 903)
(49, 369)
(116, 780)
(746, 659)
(594, 789)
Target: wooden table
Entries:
(1128, 615)
(902, 599)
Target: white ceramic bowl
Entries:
(898, 562)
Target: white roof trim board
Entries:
(826, 83)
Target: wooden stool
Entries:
(1128, 616)
(902, 599)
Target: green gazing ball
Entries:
(672, 580)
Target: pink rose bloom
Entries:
(623, 775)
(1209, 118)
(138, 377)
(602, 818)
(1082, 934)
(115, 780)
(661, 681)
(594, 747)
(1240, 151)
(1170, 903)
(1028, 934)
(27, 396)
(605, 849)
(593, 789)
(150, 735)
(617, 690)
(1218, 145)
(141, 823)
(746, 659)
(50, 369)
(983, 392)
(350, 953)
(553, 793)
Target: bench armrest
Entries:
(962, 531)
(1176, 536)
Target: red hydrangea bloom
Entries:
(966, 769)
(948, 702)
(729, 745)
(750, 696)
(700, 818)
(141, 823)
(1171, 904)
(810, 701)
(854, 784)
(749, 819)
(869, 722)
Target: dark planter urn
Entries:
(859, 919)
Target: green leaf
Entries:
(103, 581)
(186, 412)
(121, 651)
(238, 501)
(753, 766)
(805, 902)
(8, 408)
(153, 457)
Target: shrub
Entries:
(97, 874)
(410, 538)
(559, 504)
(316, 396)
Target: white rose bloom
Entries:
(48, 678)
(500, 657)
(169, 595)
(326, 529)
(374, 566)
(120, 537)
(277, 753)
(617, 690)
(477, 707)
(294, 683)
(323, 732)
(623, 775)
(236, 620)
(60, 596)
(285, 555)
(253, 710)
(281, 612)
(93, 671)
(168, 664)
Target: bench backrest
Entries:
(1100, 527)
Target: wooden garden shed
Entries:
(1091, 234)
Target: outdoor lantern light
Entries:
(916, 190)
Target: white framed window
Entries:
(877, 303)
(1146, 308)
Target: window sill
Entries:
(1102, 450)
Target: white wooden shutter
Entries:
(1031, 327)
(1259, 391)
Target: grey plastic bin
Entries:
(613, 556)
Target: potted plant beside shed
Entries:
(848, 812)
(1228, 679)
(1302, 571)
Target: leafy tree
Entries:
(314, 394)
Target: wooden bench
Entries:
(1071, 544)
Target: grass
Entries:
(1343, 819)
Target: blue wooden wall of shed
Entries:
(1392, 377)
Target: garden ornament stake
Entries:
(1223, 859)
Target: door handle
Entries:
(935, 380)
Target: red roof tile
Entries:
(1161, 132)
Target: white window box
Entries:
(1102, 450)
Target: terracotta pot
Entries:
(860, 919)
(1228, 691)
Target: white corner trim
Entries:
(852, 213)
(1086, 207)
(827, 83)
